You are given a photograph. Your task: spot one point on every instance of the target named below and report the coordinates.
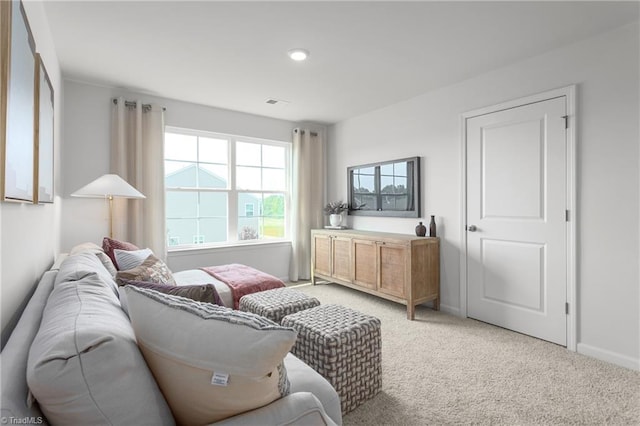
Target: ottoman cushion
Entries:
(277, 303)
(344, 346)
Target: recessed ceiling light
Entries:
(298, 54)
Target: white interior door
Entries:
(516, 219)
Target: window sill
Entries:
(188, 250)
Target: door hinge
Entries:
(566, 121)
(566, 308)
(566, 215)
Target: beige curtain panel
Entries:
(308, 193)
(137, 155)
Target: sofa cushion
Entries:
(303, 378)
(84, 366)
(110, 244)
(211, 362)
(99, 252)
(83, 264)
(152, 270)
(300, 408)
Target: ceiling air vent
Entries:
(274, 101)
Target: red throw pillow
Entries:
(109, 245)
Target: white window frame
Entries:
(232, 192)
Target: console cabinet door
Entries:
(365, 263)
(393, 268)
(341, 258)
(322, 254)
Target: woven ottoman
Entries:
(344, 346)
(277, 303)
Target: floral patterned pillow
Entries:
(152, 269)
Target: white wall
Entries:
(269, 257)
(85, 156)
(606, 71)
(29, 234)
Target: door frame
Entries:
(571, 202)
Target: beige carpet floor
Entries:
(444, 370)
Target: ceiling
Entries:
(364, 55)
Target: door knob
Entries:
(472, 228)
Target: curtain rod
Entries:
(302, 132)
(132, 104)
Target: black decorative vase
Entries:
(421, 230)
(432, 227)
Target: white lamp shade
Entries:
(108, 185)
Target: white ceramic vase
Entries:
(335, 219)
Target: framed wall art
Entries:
(19, 99)
(43, 166)
(5, 19)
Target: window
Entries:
(223, 189)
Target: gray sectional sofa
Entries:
(73, 358)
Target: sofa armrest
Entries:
(14, 390)
(300, 408)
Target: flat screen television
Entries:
(389, 188)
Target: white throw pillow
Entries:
(129, 259)
(210, 362)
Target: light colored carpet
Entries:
(444, 370)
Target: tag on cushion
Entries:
(220, 379)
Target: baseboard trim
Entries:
(609, 356)
(450, 309)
